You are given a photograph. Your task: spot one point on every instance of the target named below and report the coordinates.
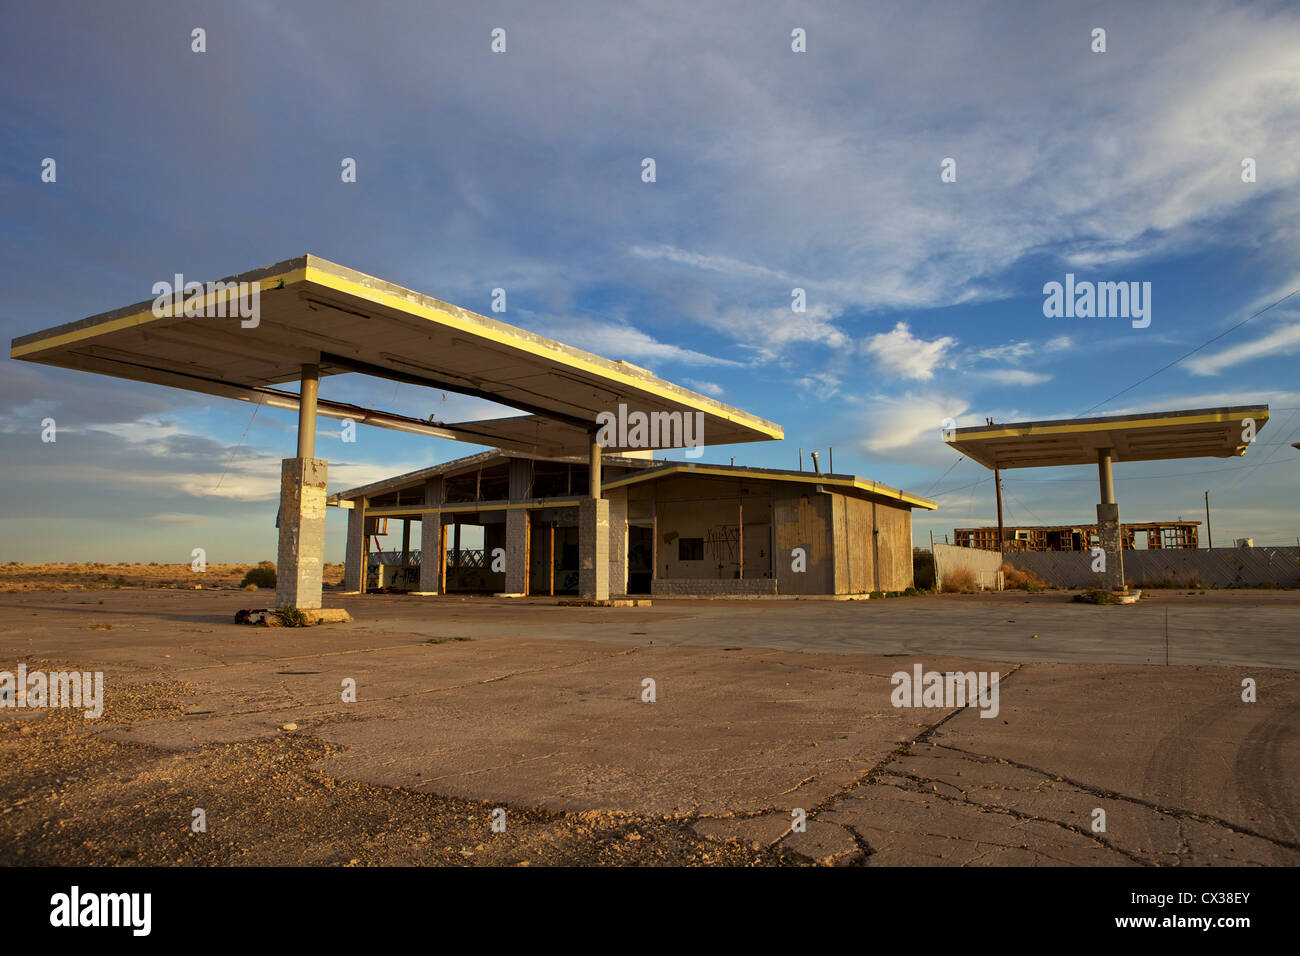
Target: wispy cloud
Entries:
(1014, 376)
(619, 340)
(706, 388)
(1283, 340)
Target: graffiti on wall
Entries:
(722, 543)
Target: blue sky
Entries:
(775, 170)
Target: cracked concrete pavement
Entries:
(763, 709)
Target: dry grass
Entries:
(1015, 579)
(961, 581)
(97, 576)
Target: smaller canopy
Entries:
(1192, 433)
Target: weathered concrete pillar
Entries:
(593, 549)
(593, 459)
(300, 559)
(1104, 476)
(431, 538)
(516, 551)
(310, 386)
(1108, 533)
(354, 555)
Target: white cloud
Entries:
(823, 386)
(1283, 340)
(1011, 352)
(714, 263)
(148, 435)
(909, 424)
(906, 355)
(1015, 376)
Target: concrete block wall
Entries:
(1213, 567)
(712, 587)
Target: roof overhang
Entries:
(311, 311)
(841, 483)
(416, 479)
(1192, 433)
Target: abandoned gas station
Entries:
(565, 507)
(556, 492)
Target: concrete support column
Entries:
(354, 556)
(593, 489)
(593, 549)
(1109, 533)
(300, 559)
(431, 539)
(1105, 478)
(516, 551)
(307, 412)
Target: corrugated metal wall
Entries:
(855, 560)
(893, 548)
(804, 520)
(864, 560)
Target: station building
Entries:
(674, 528)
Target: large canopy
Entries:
(316, 312)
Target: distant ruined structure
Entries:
(1160, 536)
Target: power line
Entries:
(241, 442)
(949, 491)
(959, 460)
(1191, 353)
(1025, 506)
(1266, 460)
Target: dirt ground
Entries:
(77, 799)
(15, 576)
(764, 708)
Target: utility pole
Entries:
(1209, 536)
(997, 480)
